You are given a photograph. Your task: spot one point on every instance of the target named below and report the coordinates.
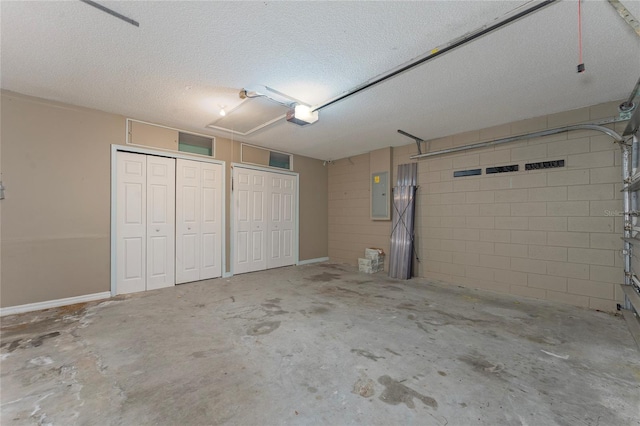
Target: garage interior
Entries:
(188, 191)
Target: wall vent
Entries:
(544, 165)
(462, 173)
(502, 169)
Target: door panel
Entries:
(264, 220)
(287, 249)
(259, 229)
(211, 226)
(130, 222)
(242, 251)
(161, 190)
(249, 220)
(242, 221)
(282, 222)
(157, 266)
(168, 221)
(189, 250)
(187, 221)
(133, 255)
(258, 252)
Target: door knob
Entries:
(157, 230)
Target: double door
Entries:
(168, 221)
(145, 228)
(264, 219)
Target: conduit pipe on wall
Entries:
(533, 135)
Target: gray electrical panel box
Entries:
(380, 192)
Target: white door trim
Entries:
(296, 241)
(160, 153)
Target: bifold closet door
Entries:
(145, 227)
(161, 232)
(250, 222)
(131, 211)
(282, 220)
(198, 221)
(264, 220)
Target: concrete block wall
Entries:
(550, 234)
(350, 228)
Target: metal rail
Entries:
(525, 136)
(438, 51)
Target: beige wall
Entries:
(313, 225)
(351, 229)
(55, 219)
(550, 234)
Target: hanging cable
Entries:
(580, 63)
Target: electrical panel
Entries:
(380, 192)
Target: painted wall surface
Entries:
(351, 229)
(55, 219)
(56, 211)
(548, 234)
(314, 228)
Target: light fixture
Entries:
(222, 111)
(257, 91)
(302, 115)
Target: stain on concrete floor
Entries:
(364, 387)
(324, 277)
(263, 328)
(396, 393)
(366, 354)
(284, 346)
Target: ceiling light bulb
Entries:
(223, 112)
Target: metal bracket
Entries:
(417, 139)
(626, 15)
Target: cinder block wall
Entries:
(350, 228)
(549, 234)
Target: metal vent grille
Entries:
(502, 169)
(544, 165)
(462, 173)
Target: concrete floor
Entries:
(318, 344)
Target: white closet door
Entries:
(250, 222)
(188, 218)
(242, 221)
(282, 220)
(161, 192)
(211, 224)
(264, 219)
(130, 223)
(198, 221)
(259, 221)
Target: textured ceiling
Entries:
(189, 58)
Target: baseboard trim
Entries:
(29, 307)
(316, 260)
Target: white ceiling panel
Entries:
(186, 60)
